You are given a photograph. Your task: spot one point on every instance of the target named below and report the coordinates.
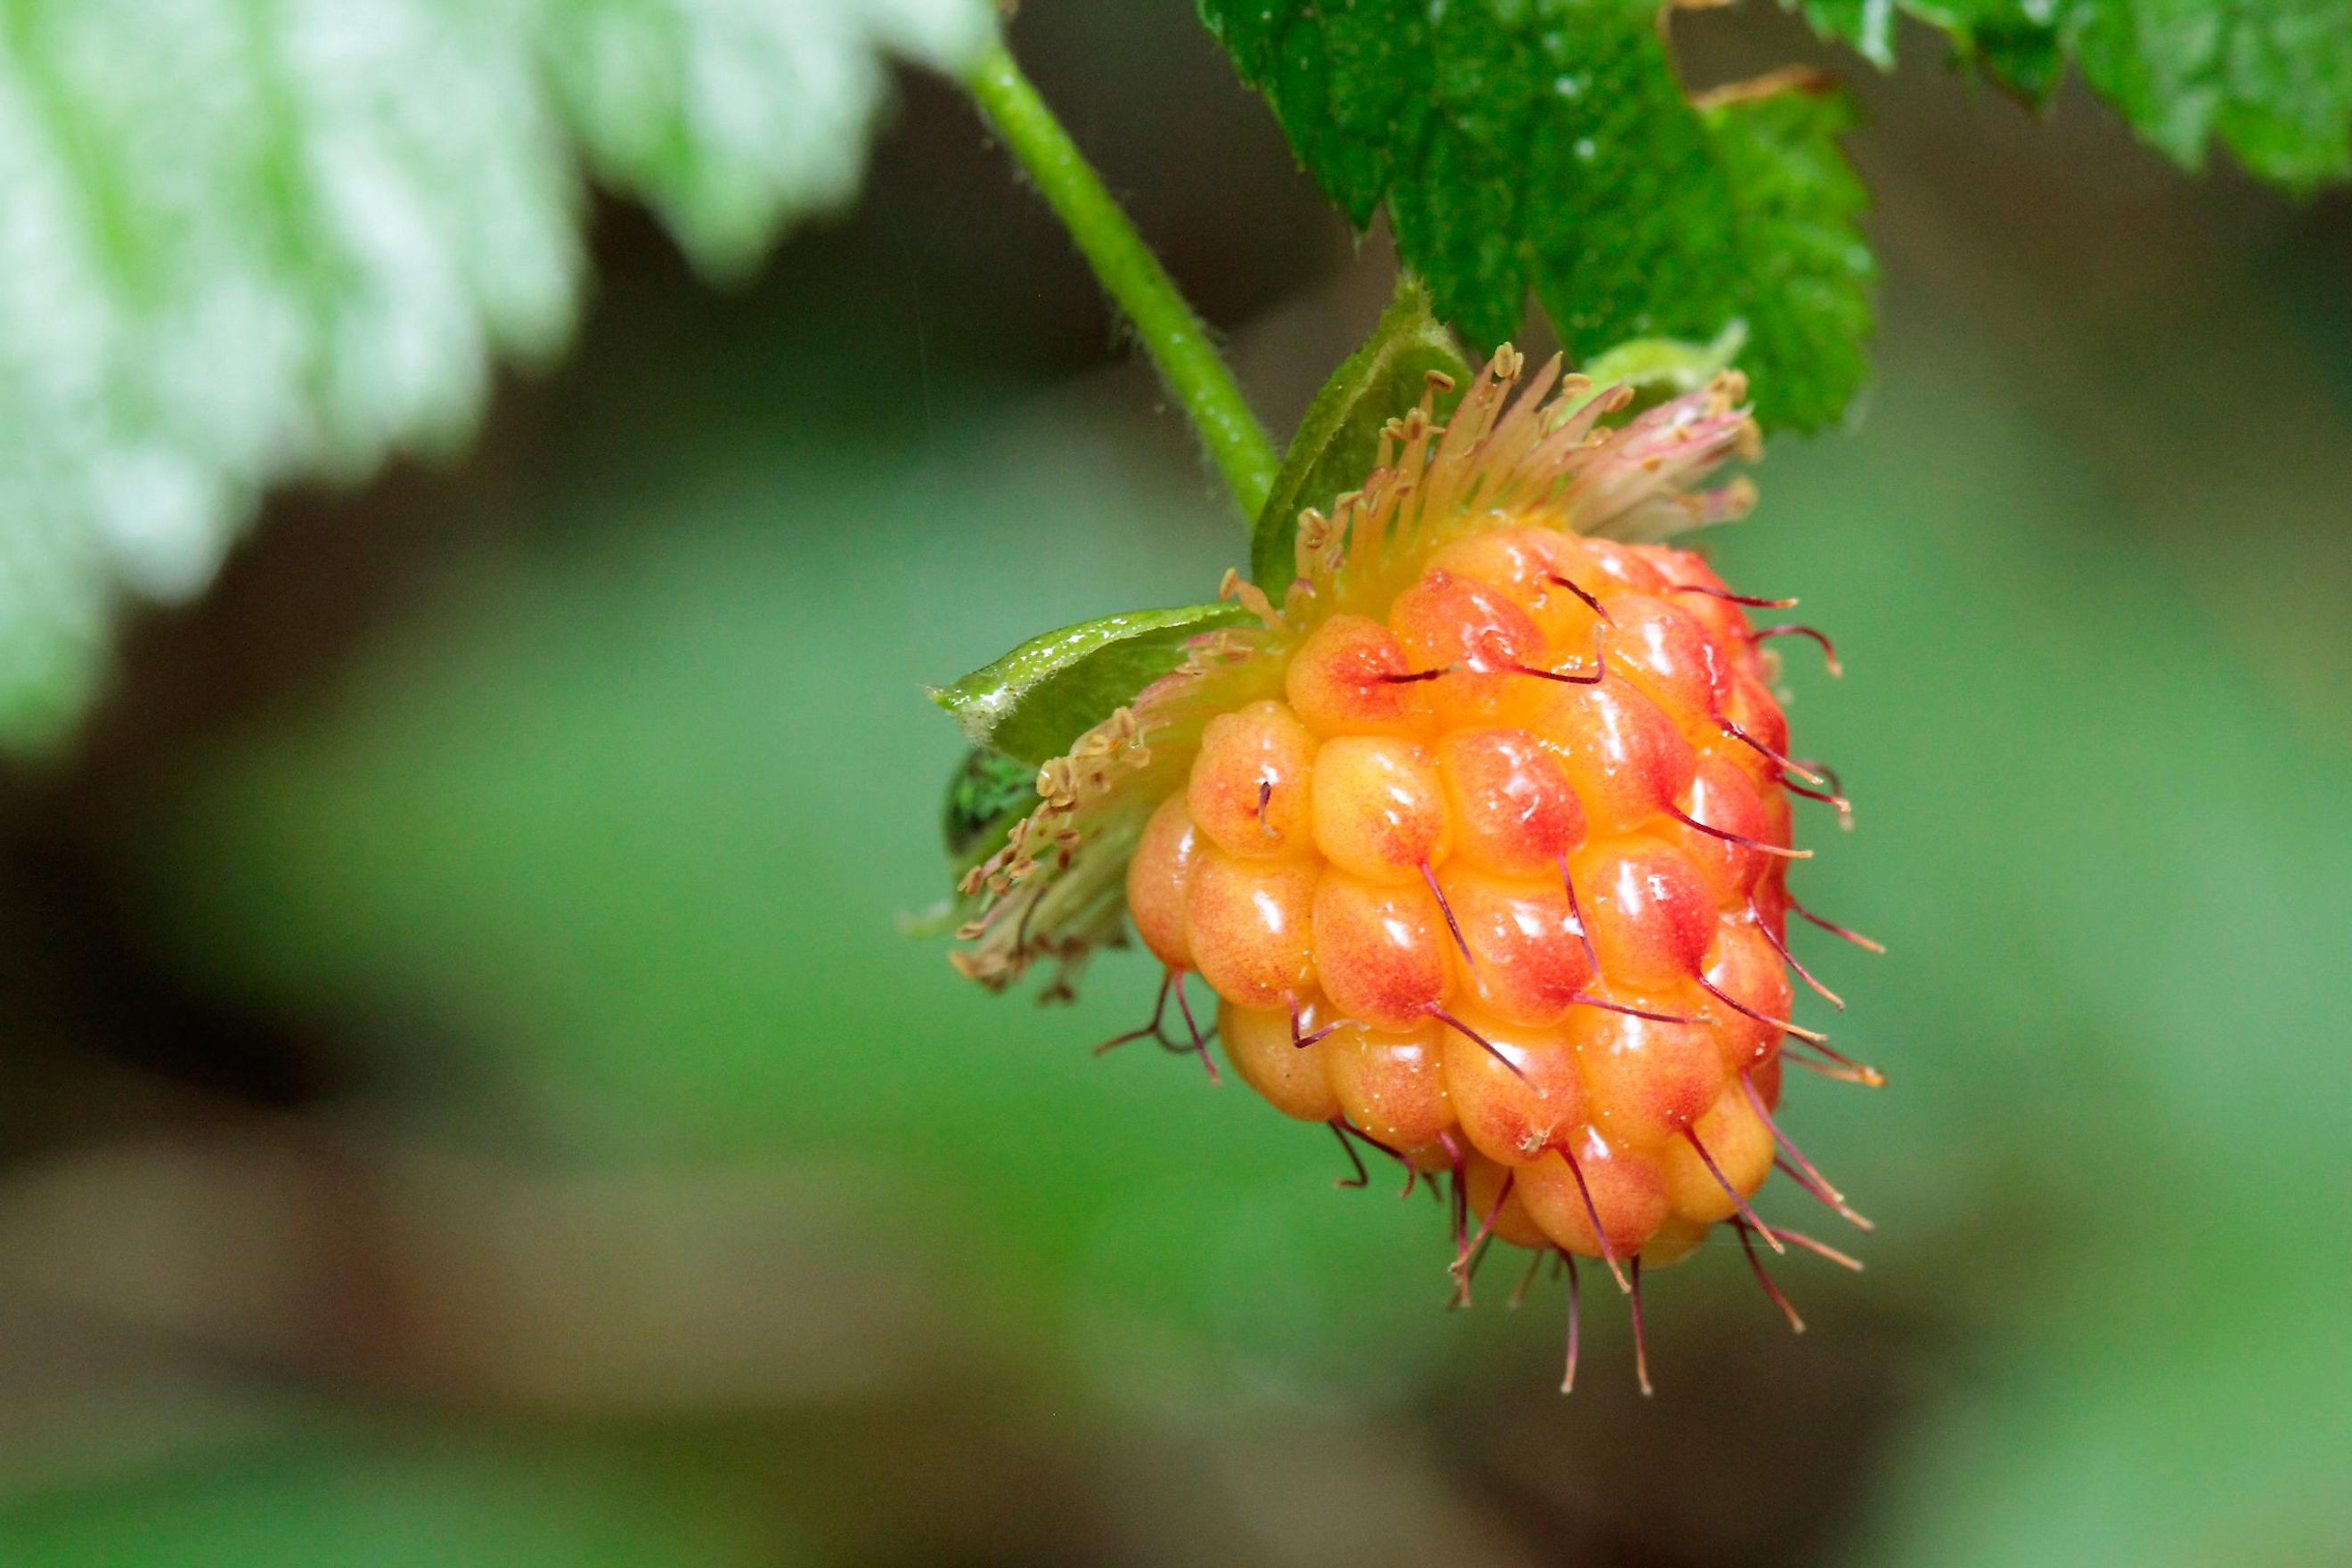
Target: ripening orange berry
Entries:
(1482, 841)
(1392, 1083)
(1263, 1047)
(1250, 928)
(1345, 680)
(1517, 1090)
(1379, 809)
(1524, 956)
(1511, 799)
(1380, 950)
(1589, 1176)
(1159, 881)
(1252, 784)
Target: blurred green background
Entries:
(469, 1100)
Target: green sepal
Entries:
(1033, 704)
(1340, 438)
(1658, 369)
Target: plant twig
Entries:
(1196, 375)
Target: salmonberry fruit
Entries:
(1481, 838)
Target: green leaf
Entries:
(2269, 80)
(1338, 440)
(255, 239)
(1548, 144)
(1036, 701)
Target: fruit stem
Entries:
(1195, 375)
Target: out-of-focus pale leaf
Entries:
(241, 242)
(729, 116)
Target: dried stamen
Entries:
(1832, 927)
(1641, 1340)
(1821, 1249)
(1466, 1263)
(1687, 820)
(1586, 999)
(1807, 1175)
(1796, 1323)
(1020, 931)
(1200, 1040)
(1828, 651)
(1786, 764)
(1576, 912)
(1811, 1037)
(1738, 1199)
(1593, 1212)
(1781, 947)
(1443, 1017)
(1568, 1381)
(1446, 910)
(1591, 603)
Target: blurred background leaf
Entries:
(251, 242)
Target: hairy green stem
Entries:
(1195, 374)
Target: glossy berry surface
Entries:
(1496, 883)
(1480, 834)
